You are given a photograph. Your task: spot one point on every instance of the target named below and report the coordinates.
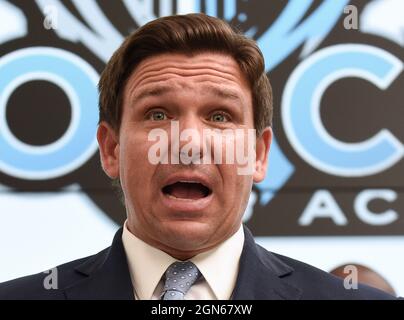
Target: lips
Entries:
(187, 192)
(192, 190)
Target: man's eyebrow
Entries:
(161, 90)
(152, 92)
(224, 93)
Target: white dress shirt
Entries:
(219, 268)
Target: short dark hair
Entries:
(188, 34)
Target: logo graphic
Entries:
(337, 153)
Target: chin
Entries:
(188, 235)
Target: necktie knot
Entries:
(179, 278)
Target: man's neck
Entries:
(181, 255)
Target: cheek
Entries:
(244, 186)
(134, 164)
(236, 187)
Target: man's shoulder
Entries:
(316, 284)
(49, 284)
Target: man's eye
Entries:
(219, 117)
(157, 116)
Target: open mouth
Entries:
(187, 190)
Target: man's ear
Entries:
(109, 149)
(263, 145)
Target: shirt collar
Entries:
(146, 264)
(219, 266)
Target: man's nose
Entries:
(191, 143)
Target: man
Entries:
(183, 238)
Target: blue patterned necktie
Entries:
(180, 276)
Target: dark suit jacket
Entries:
(262, 275)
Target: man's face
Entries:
(182, 209)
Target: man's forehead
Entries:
(215, 60)
(208, 89)
(205, 67)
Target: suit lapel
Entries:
(106, 275)
(262, 275)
